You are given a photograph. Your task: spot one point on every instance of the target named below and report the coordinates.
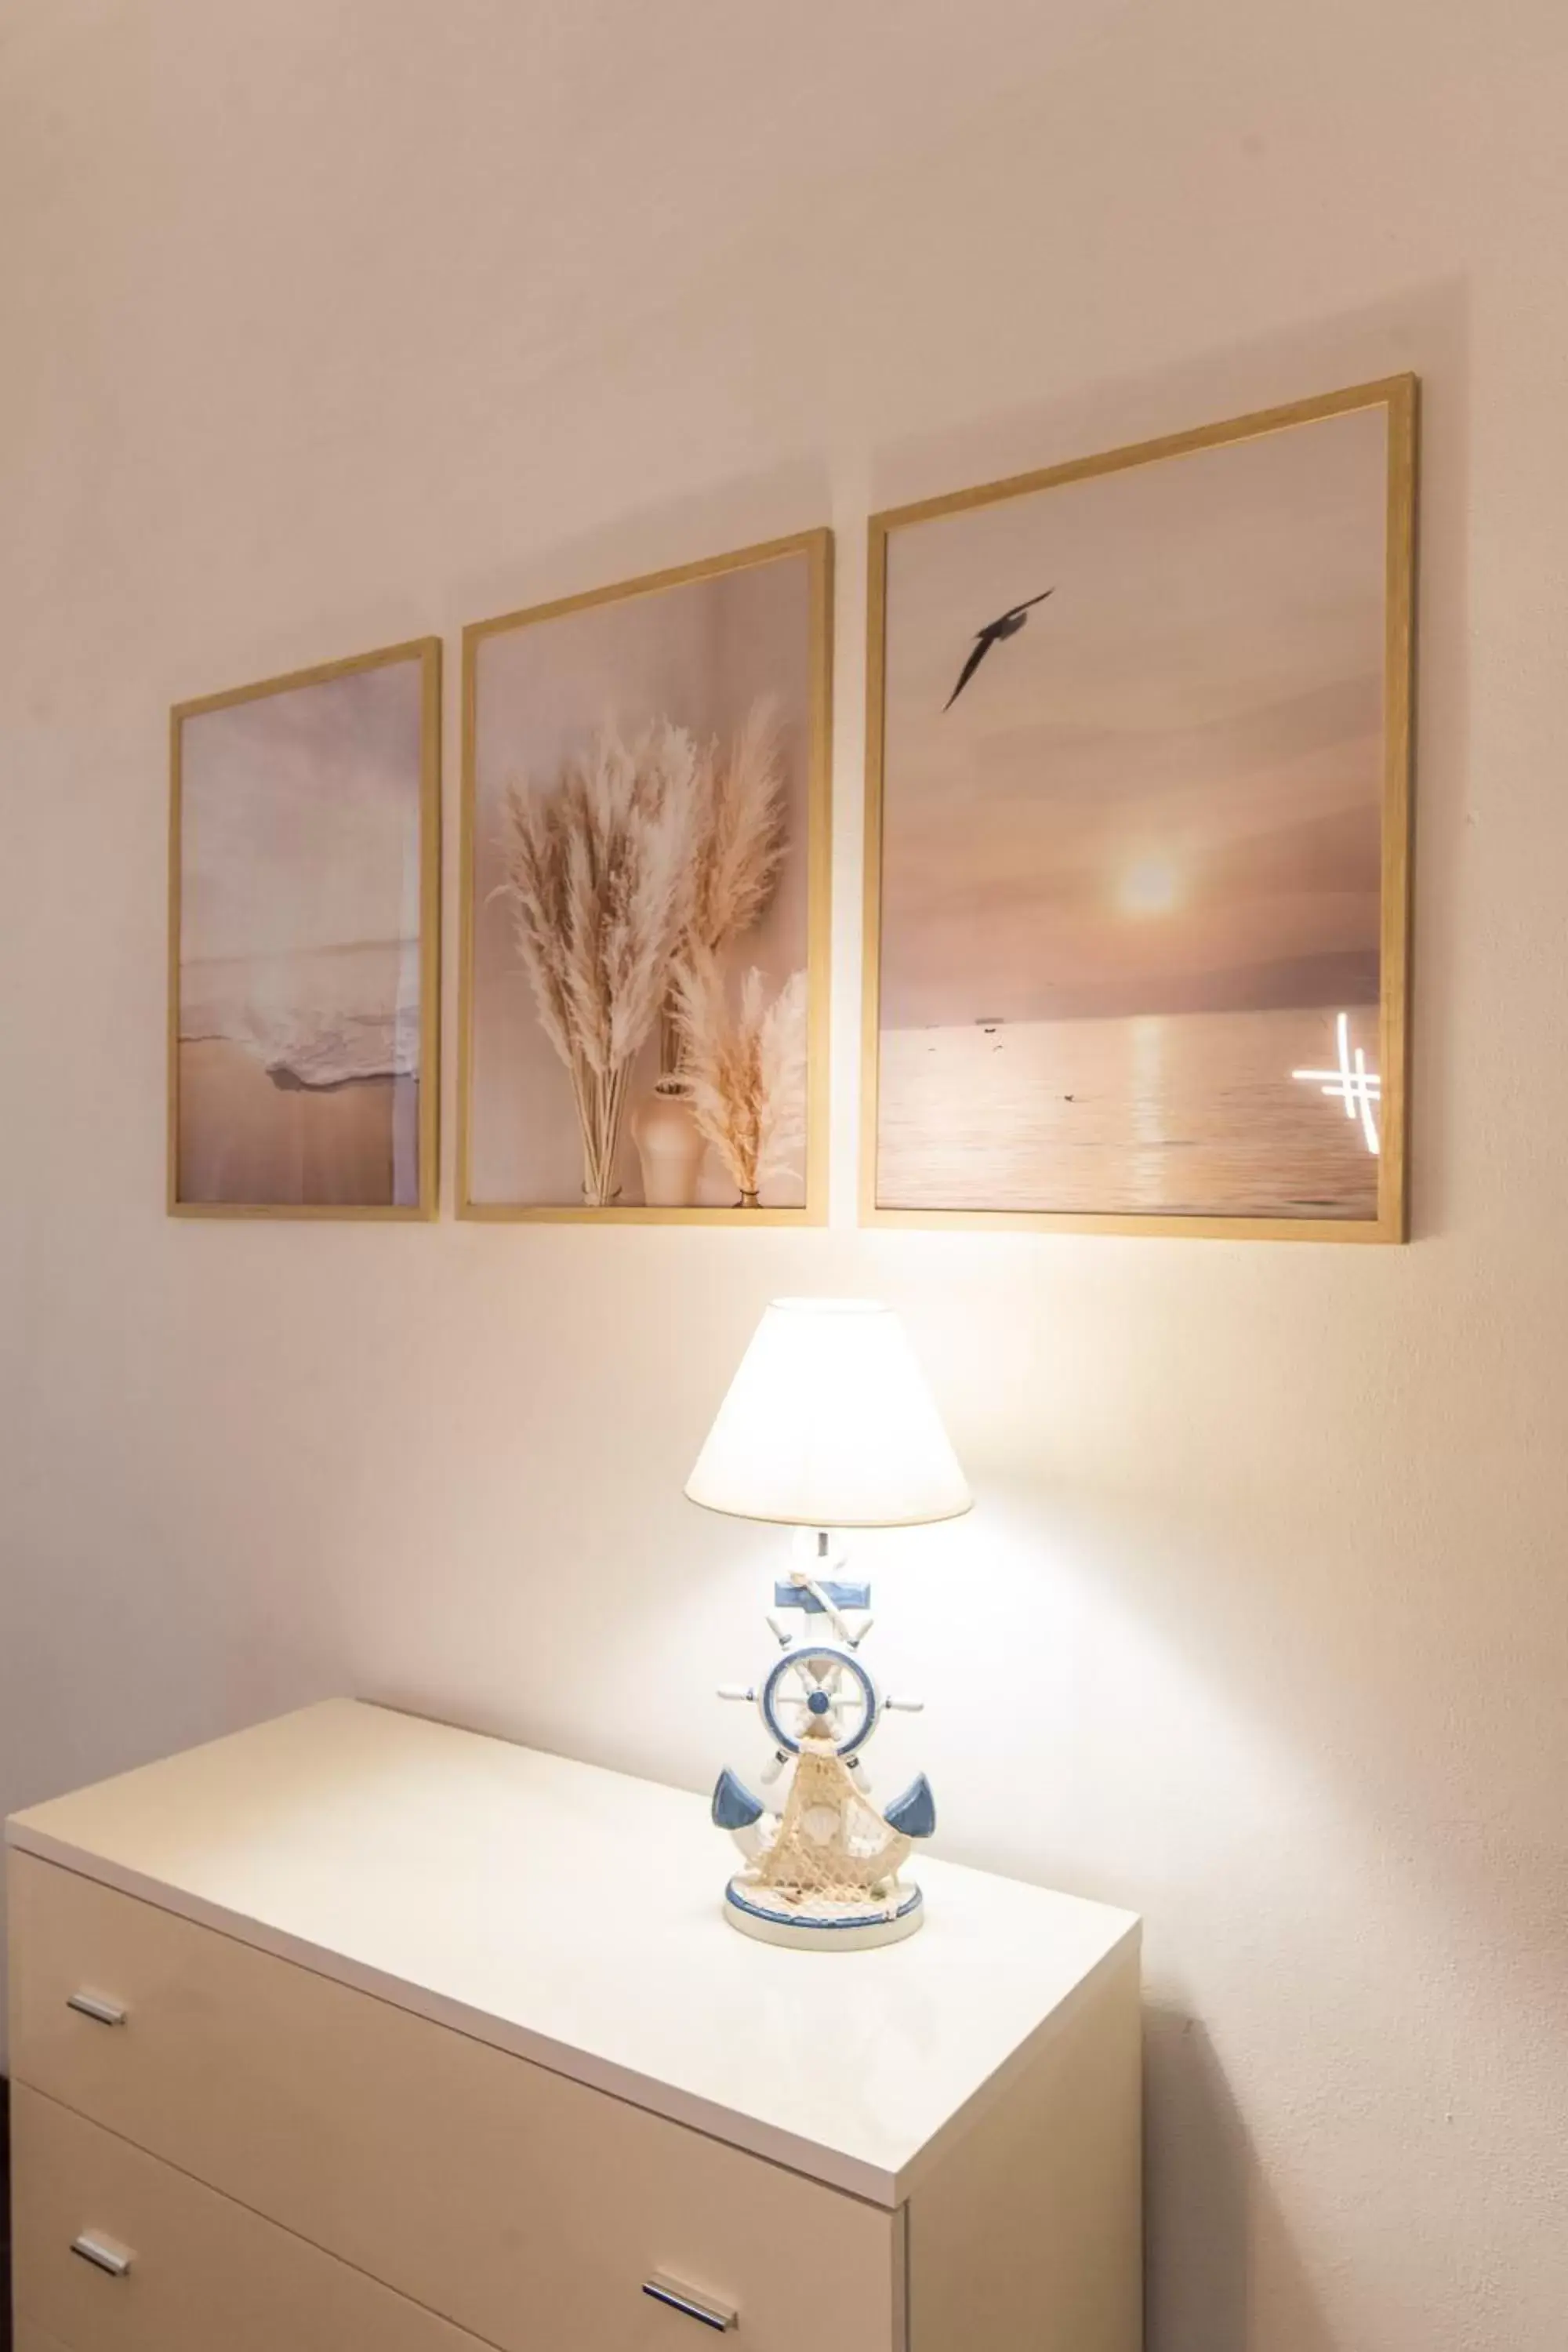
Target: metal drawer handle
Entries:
(695, 2307)
(101, 2255)
(93, 2005)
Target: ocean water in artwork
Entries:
(319, 1018)
(1179, 1114)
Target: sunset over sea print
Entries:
(1135, 752)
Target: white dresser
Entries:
(324, 2040)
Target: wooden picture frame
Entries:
(566, 672)
(282, 1002)
(1372, 803)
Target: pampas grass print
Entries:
(600, 874)
(628, 877)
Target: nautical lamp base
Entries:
(841, 1928)
(824, 1860)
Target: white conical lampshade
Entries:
(829, 1423)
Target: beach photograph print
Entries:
(1137, 835)
(646, 897)
(304, 849)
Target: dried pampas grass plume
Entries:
(745, 1071)
(739, 851)
(742, 834)
(599, 871)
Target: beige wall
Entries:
(324, 324)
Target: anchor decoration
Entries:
(821, 1861)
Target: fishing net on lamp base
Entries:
(829, 1874)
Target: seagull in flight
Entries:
(1008, 625)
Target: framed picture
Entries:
(1138, 837)
(304, 965)
(645, 894)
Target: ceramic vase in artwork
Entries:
(669, 1146)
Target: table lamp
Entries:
(828, 1425)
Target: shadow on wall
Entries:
(1212, 2230)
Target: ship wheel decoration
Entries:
(825, 1695)
(821, 1859)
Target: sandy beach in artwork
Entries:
(299, 1077)
(247, 1135)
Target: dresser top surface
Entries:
(572, 1915)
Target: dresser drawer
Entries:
(25, 2337)
(523, 2206)
(203, 2273)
